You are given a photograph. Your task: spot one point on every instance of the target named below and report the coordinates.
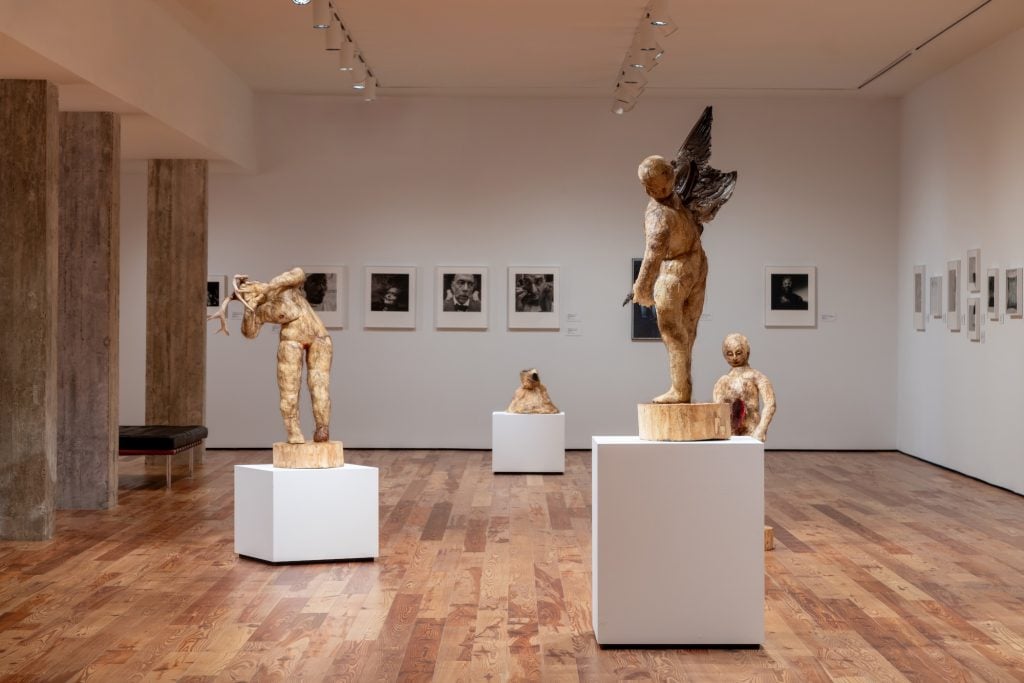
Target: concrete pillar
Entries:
(176, 294)
(29, 137)
(87, 370)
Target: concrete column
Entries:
(90, 180)
(29, 139)
(176, 294)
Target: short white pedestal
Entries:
(678, 538)
(527, 443)
(295, 515)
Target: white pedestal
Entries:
(294, 515)
(527, 443)
(678, 538)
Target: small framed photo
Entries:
(790, 296)
(533, 298)
(216, 290)
(644, 318)
(1014, 280)
(390, 297)
(460, 297)
(992, 293)
(919, 314)
(974, 270)
(326, 290)
(974, 318)
(935, 296)
(953, 295)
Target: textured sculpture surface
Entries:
(747, 391)
(531, 396)
(303, 336)
(684, 194)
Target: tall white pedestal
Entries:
(294, 515)
(527, 443)
(678, 541)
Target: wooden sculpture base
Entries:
(684, 421)
(309, 456)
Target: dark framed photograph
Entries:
(533, 297)
(974, 318)
(919, 315)
(974, 270)
(326, 290)
(790, 296)
(1014, 282)
(390, 299)
(216, 290)
(953, 295)
(992, 293)
(935, 296)
(644, 319)
(460, 297)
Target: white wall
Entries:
(962, 171)
(499, 182)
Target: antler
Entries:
(222, 315)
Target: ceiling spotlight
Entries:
(321, 13)
(359, 75)
(633, 77)
(658, 13)
(639, 59)
(347, 55)
(301, 2)
(642, 56)
(622, 106)
(370, 91)
(334, 36)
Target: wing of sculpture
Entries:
(700, 187)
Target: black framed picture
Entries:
(644, 319)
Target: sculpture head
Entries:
(530, 379)
(657, 176)
(736, 350)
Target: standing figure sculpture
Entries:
(685, 194)
(748, 392)
(303, 335)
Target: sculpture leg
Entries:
(318, 369)
(289, 379)
(679, 308)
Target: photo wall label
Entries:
(974, 270)
(326, 290)
(992, 293)
(644, 319)
(953, 295)
(216, 290)
(460, 297)
(1014, 282)
(533, 298)
(790, 296)
(919, 280)
(390, 297)
(935, 296)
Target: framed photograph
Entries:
(919, 314)
(974, 270)
(935, 296)
(953, 295)
(992, 293)
(390, 297)
(790, 296)
(1014, 294)
(326, 290)
(460, 297)
(645, 318)
(216, 290)
(533, 298)
(974, 318)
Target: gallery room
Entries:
(366, 341)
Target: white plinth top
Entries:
(734, 440)
(271, 468)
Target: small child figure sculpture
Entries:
(532, 396)
(746, 390)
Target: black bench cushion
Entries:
(159, 437)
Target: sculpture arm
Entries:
(251, 324)
(287, 280)
(718, 394)
(657, 233)
(764, 388)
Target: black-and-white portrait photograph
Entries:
(992, 293)
(216, 290)
(326, 291)
(644, 318)
(974, 270)
(1014, 283)
(790, 296)
(461, 297)
(789, 292)
(974, 318)
(533, 297)
(935, 296)
(953, 295)
(919, 281)
(390, 297)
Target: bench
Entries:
(167, 440)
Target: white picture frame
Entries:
(919, 284)
(216, 291)
(1014, 279)
(389, 297)
(974, 318)
(461, 298)
(790, 296)
(935, 296)
(326, 290)
(533, 293)
(974, 270)
(953, 295)
(992, 293)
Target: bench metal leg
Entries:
(191, 458)
(170, 458)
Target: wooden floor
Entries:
(885, 569)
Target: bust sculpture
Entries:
(531, 397)
(748, 392)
